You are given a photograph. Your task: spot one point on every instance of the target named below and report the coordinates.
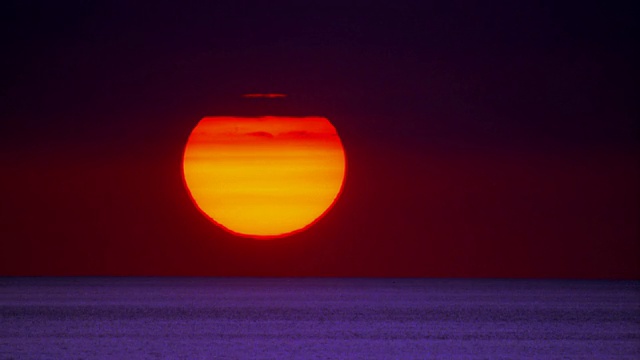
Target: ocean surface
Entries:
(282, 318)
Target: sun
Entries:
(264, 177)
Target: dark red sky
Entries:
(484, 139)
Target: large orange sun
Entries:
(264, 177)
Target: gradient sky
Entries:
(483, 139)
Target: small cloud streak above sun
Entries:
(265, 96)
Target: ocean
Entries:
(317, 318)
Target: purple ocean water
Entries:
(281, 318)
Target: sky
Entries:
(483, 138)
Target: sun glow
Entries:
(264, 177)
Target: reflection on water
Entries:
(317, 318)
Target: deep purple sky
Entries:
(484, 139)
